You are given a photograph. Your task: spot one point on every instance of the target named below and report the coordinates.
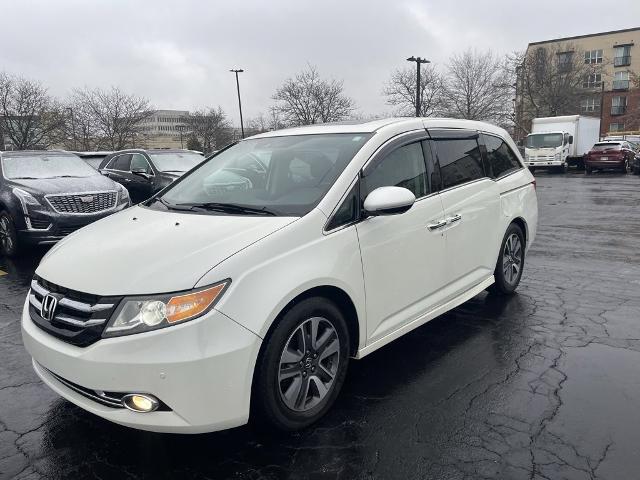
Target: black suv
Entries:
(45, 195)
(145, 172)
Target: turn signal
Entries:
(184, 307)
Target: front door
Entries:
(403, 256)
(471, 202)
(139, 184)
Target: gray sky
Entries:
(177, 53)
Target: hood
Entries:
(45, 186)
(143, 251)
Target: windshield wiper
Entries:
(228, 208)
(170, 206)
(25, 178)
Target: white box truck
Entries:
(558, 142)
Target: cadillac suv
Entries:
(45, 195)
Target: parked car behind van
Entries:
(45, 195)
(145, 172)
(617, 155)
(93, 159)
(246, 287)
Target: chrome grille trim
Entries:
(78, 318)
(95, 395)
(71, 203)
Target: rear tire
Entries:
(8, 236)
(510, 262)
(302, 366)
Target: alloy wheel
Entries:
(512, 258)
(309, 364)
(5, 235)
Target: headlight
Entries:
(124, 197)
(25, 198)
(142, 314)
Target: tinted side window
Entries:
(347, 212)
(501, 158)
(121, 162)
(404, 167)
(460, 161)
(139, 161)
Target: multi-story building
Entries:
(164, 129)
(611, 89)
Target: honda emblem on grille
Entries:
(48, 308)
(87, 199)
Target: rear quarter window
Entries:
(501, 160)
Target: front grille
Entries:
(93, 202)
(78, 318)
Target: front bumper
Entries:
(545, 163)
(201, 370)
(44, 226)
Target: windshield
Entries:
(606, 146)
(45, 166)
(284, 176)
(175, 161)
(544, 140)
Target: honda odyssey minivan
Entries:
(246, 287)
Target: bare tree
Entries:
(400, 91)
(210, 128)
(307, 99)
(29, 117)
(551, 81)
(112, 116)
(477, 87)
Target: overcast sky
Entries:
(178, 53)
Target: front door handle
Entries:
(437, 225)
(454, 219)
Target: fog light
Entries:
(138, 402)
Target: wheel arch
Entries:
(522, 223)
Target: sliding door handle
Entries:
(454, 219)
(437, 225)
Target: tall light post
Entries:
(419, 61)
(237, 71)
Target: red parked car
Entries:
(617, 155)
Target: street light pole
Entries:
(237, 71)
(418, 61)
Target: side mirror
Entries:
(141, 172)
(389, 201)
(570, 139)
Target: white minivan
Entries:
(246, 287)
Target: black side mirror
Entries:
(570, 139)
(141, 172)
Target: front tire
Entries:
(588, 170)
(302, 366)
(510, 262)
(8, 236)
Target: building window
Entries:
(593, 56)
(616, 127)
(590, 105)
(564, 61)
(593, 80)
(622, 56)
(621, 80)
(618, 105)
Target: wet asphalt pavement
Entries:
(541, 385)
